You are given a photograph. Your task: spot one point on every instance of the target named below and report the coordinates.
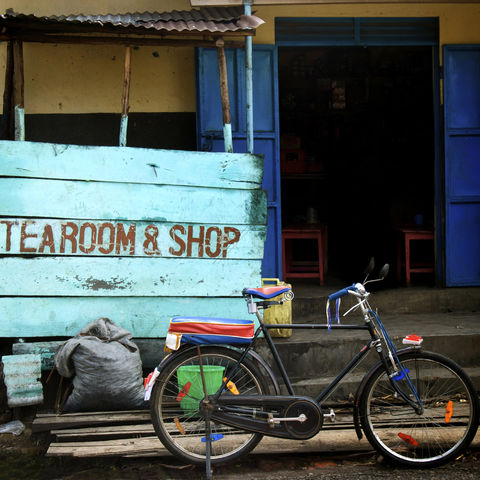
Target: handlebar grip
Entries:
(342, 293)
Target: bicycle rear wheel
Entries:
(450, 411)
(174, 405)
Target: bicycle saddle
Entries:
(265, 292)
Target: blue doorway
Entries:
(359, 126)
(462, 164)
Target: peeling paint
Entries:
(98, 284)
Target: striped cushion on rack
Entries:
(207, 331)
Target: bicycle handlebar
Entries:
(342, 293)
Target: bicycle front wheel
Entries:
(443, 430)
(175, 399)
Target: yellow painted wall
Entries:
(459, 23)
(89, 79)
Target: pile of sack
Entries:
(106, 368)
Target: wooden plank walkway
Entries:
(131, 434)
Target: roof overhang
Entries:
(201, 27)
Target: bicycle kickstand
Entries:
(208, 438)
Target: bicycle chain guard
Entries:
(297, 418)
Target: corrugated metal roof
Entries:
(208, 19)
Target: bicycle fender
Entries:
(252, 356)
(361, 388)
(256, 356)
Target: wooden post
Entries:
(125, 97)
(8, 124)
(249, 81)
(18, 90)
(222, 69)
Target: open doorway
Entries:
(357, 148)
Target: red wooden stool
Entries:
(406, 236)
(318, 233)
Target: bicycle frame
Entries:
(375, 342)
(247, 401)
(351, 365)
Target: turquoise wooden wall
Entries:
(136, 235)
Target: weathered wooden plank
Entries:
(106, 414)
(325, 441)
(120, 277)
(7, 130)
(19, 90)
(21, 197)
(125, 96)
(114, 431)
(145, 317)
(130, 165)
(52, 422)
(22, 236)
(116, 447)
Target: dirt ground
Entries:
(22, 457)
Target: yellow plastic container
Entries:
(278, 314)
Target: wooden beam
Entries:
(231, 3)
(8, 125)
(48, 422)
(18, 90)
(141, 42)
(125, 97)
(126, 80)
(15, 25)
(227, 122)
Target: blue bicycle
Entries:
(215, 397)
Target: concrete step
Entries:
(310, 300)
(347, 388)
(319, 354)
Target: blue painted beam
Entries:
(22, 197)
(119, 277)
(145, 317)
(136, 235)
(131, 165)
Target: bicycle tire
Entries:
(439, 434)
(181, 428)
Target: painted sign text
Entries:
(68, 237)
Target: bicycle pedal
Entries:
(330, 415)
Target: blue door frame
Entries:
(360, 31)
(265, 124)
(298, 32)
(462, 164)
